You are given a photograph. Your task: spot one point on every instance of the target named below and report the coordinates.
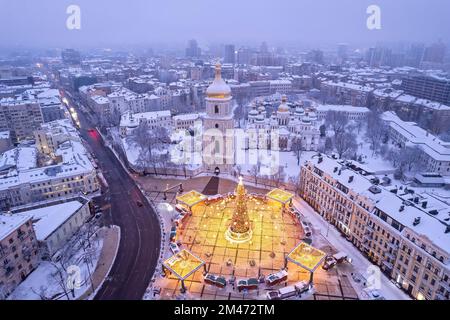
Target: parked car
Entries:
(282, 293)
(139, 203)
(173, 233)
(276, 278)
(308, 232)
(174, 248)
(178, 220)
(340, 257)
(248, 284)
(220, 282)
(181, 209)
(329, 263)
(273, 295)
(302, 286)
(374, 294)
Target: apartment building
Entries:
(280, 86)
(430, 87)
(55, 222)
(18, 251)
(435, 153)
(72, 175)
(403, 233)
(20, 116)
(346, 93)
(351, 112)
(50, 135)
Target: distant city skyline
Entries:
(143, 23)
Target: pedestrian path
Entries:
(212, 188)
(111, 239)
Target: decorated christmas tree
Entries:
(240, 229)
(241, 223)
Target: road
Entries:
(139, 247)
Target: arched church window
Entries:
(216, 109)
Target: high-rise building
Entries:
(229, 54)
(342, 51)
(20, 117)
(244, 56)
(415, 54)
(71, 56)
(428, 87)
(264, 48)
(192, 50)
(435, 53)
(316, 56)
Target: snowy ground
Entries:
(43, 282)
(360, 263)
(272, 160)
(371, 160)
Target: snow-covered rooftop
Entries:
(48, 219)
(394, 205)
(10, 222)
(416, 136)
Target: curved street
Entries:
(139, 247)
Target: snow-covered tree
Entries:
(345, 144)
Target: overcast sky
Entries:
(42, 23)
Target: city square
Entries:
(277, 236)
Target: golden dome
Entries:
(218, 88)
(283, 106)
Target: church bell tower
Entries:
(218, 126)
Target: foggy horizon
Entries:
(173, 23)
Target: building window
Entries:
(216, 109)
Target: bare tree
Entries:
(297, 148)
(254, 172)
(345, 144)
(295, 182)
(328, 144)
(86, 233)
(239, 114)
(445, 136)
(140, 136)
(404, 160)
(279, 176)
(238, 170)
(42, 293)
(376, 131)
(337, 121)
(323, 130)
(410, 158)
(60, 276)
(150, 142)
(164, 161)
(439, 124)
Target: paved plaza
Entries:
(274, 235)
